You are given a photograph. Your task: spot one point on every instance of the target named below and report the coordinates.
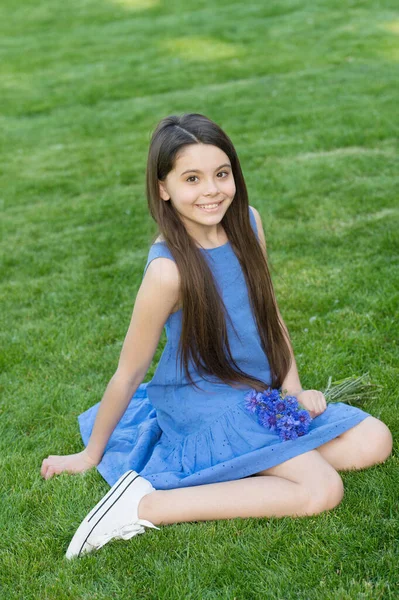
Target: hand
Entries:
(72, 463)
(313, 401)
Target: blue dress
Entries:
(176, 436)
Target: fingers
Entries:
(45, 467)
(53, 470)
(53, 465)
(71, 463)
(320, 403)
(314, 402)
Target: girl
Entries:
(187, 433)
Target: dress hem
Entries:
(239, 467)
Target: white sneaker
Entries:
(115, 516)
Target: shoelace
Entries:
(125, 532)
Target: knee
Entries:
(376, 445)
(328, 495)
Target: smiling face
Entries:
(201, 188)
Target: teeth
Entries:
(209, 205)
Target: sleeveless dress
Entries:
(176, 436)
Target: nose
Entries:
(212, 189)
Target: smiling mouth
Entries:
(210, 207)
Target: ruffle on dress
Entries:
(233, 446)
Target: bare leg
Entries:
(362, 446)
(307, 486)
(250, 497)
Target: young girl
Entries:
(184, 446)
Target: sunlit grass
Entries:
(392, 26)
(202, 49)
(136, 5)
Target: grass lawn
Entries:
(308, 92)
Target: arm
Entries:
(291, 382)
(155, 300)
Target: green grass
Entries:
(308, 92)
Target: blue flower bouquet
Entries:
(282, 413)
(279, 412)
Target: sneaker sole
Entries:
(87, 526)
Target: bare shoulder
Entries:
(163, 271)
(160, 238)
(259, 226)
(257, 215)
(162, 277)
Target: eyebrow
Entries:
(198, 171)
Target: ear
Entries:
(163, 191)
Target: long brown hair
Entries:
(204, 337)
